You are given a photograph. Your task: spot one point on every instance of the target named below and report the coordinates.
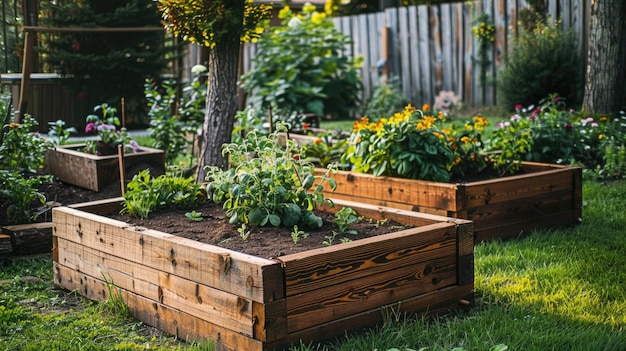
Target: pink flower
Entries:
(568, 126)
(90, 127)
(515, 118)
(532, 117)
(518, 107)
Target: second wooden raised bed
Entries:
(195, 290)
(543, 195)
(89, 171)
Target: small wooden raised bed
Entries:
(545, 195)
(95, 172)
(195, 290)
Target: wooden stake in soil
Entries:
(120, 157)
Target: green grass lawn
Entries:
(559, 289)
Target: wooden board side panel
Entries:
(437, 196)
(519, 187)
(439, 301)
(170, 320)
(228, 310)
(243, 275)
(348, 298)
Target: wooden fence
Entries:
(432, 48)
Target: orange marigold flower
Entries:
(318, 141)
(14, 125)
(426, 107)
(465, 139)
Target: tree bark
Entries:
(221, 105)
(604, 86)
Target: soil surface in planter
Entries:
(265, 242)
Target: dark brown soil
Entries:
(266, 242)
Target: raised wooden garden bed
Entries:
(195, 290)
(95, 172)
(545, 195)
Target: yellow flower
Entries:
(14, 125)
(318, 18)
(601, 136)
(465, 139)
(308, 7)
(284, 12)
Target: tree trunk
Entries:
(221, 105)
(604, 86)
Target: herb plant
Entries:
(17, 194)
(146, 194)
(21, 149)
(267, 183)
(58, 129)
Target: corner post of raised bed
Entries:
(577, 196)
(465, 255)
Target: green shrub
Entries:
(300, 69)
(386, 97)
(542, 62)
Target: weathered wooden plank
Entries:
(163, 317)
(436, 54)
(204, 302)
(243, 275)
(416, 54)
(343, 299)
(468, 54)
(5, 244)
(405, 58)
(102, 207)
(316, 269)
(501, 24)
(425, 56)
(30, 238)
(440, 301)
(428, 194)
(447, 44)
(517, 187)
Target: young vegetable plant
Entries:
(343, 219)
(298, 234)
(194, 216)
(268, 183)
(146, 194)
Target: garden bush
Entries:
(543, 61)
(300, 69)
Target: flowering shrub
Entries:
(104, 123)
(417, 144)
(484, 29)
(300, 68)
(554, 133)
(21, 149)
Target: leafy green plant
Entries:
(104, 122)
(525, 79)
(243, 231)
(268, 183)
(343, 219)
(58, 129)
(21, 149)
(171, 120)
(146, 194)
(386, 96)
(300, 69)
(194, 216)
(326, 149)
(17, 194)
(421, 144)
(298, 234)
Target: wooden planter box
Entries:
(95, 172)
(545, 195)
(242, 302)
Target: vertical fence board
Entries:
(435, 54)
(416, 53)
(426, 81)
(446, 43)
(405, 60)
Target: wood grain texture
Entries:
(186, 288)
